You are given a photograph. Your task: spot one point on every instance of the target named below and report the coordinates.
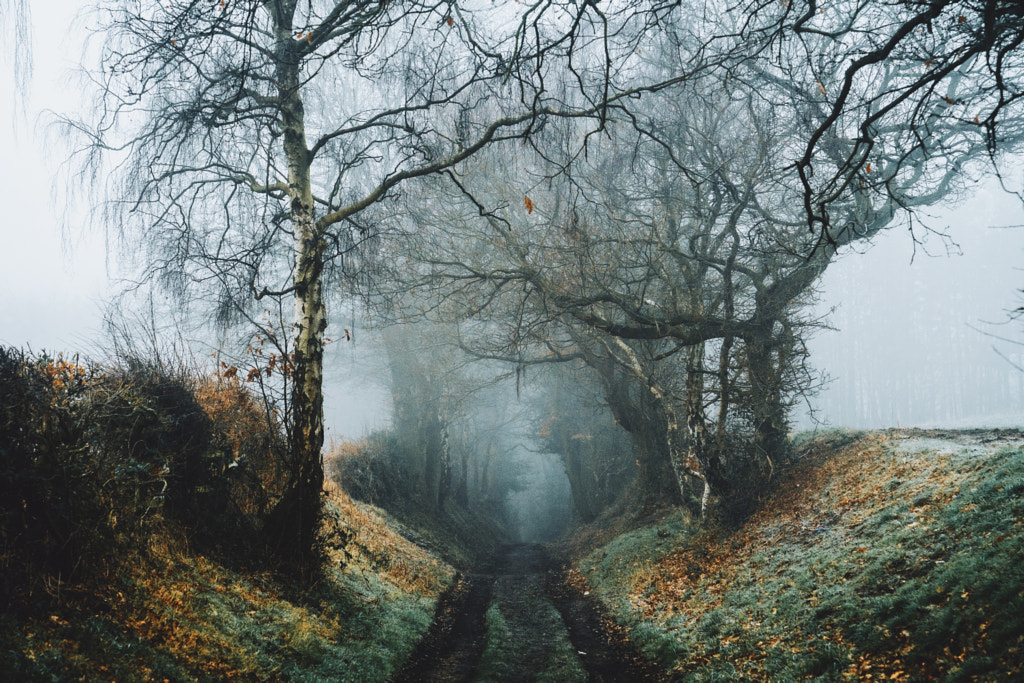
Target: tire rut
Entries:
(452, 645)
(515, 579)
(603, 646)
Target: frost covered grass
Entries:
(889, 557)
(174, 615)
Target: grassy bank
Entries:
(169, 614)
(893, 556)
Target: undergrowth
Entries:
(373, 471)
(172, 614)
(890, 558)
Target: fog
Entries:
(910, 343)
(539, 501)
(919, 323)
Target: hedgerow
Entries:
(94, 457)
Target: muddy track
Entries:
(524, 584)
(453, 643)
(605, 650)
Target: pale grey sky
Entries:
(54, 283)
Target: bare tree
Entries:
(884, 84)
(16, 34)
(256, 142)
(682, 227)
(251, 142)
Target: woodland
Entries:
(584, 240)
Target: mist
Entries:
(914, 319)
(914, 326)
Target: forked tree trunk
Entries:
(681, 464)
(656, 479)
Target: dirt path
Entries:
(541, 627)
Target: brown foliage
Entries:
(93, 458)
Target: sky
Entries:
(55, 279)
(909, 345)
(904, 351)
(59, 277)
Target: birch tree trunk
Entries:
(295, 523)
(696, 426)
(680, 466)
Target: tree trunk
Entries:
(681, 466)
(696, 426)
(641, 417)
(724, 397)
(770, 424)
(295, 523)
(462, 482)
(444, 487)
(585, 499)
(307, 432)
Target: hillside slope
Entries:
(173, 614)
(885, 556)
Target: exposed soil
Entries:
(603, 646)
(453, 643)
(518, 578)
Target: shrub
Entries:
(93, 457)
(371, 471)
(50, 508)
(149, 436)
(245, 463)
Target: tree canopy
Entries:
(627, 182)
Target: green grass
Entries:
(887, 559)
(547, 641)
(175, 616)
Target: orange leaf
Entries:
(529, 205)
(868, 169)
(449, 21)
(821, 88)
